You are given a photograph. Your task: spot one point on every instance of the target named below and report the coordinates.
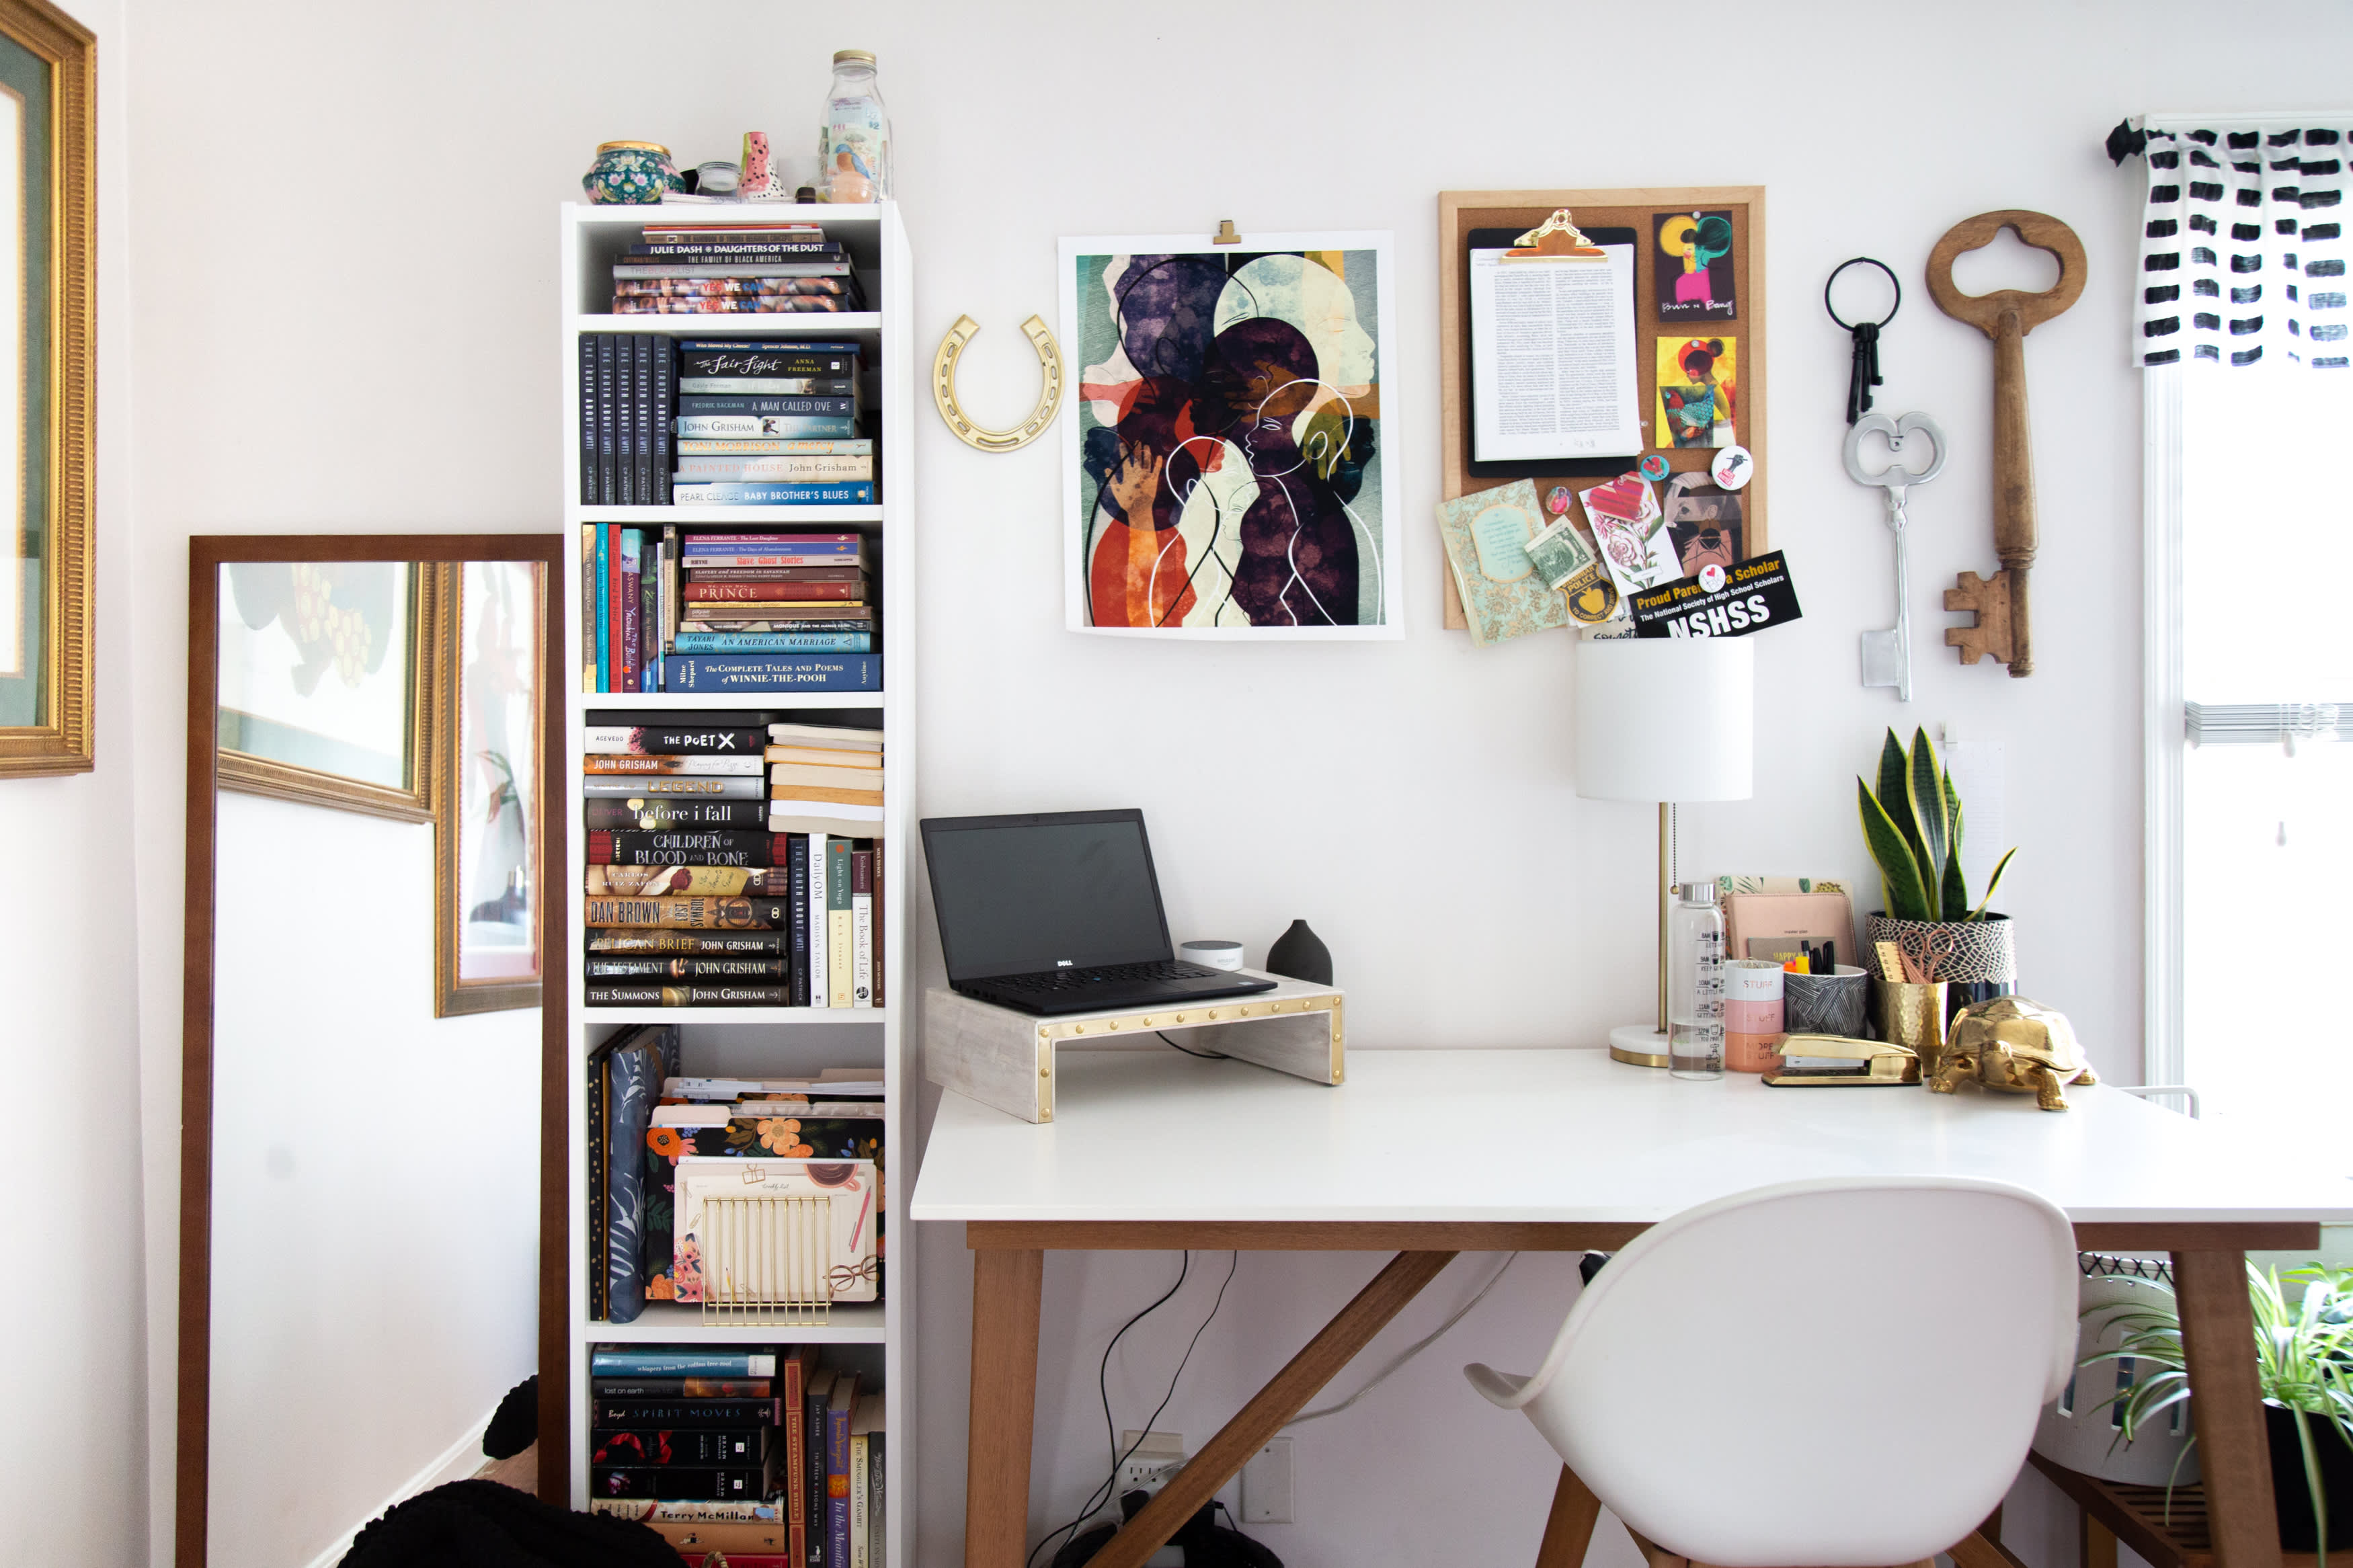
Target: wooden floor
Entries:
(520, 1471)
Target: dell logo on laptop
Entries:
(1062, 963)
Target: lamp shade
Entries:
(1666, 719)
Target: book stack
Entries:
(769, 422)
(723, 269)
(627, 584)
(626, 387)
(824, 1442)
(699, 894)
(774, 611)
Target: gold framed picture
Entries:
(327, 682)
(47, 174)
(487, 855)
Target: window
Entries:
(2251, 684)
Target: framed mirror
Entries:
(47, 306)
(367, 1202)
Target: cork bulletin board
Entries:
(1463, 214)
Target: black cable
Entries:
(1096, 1498)
(1205, 1056)
(1102, 1494)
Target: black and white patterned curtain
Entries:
(2242, 251)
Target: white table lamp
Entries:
(1664, 719)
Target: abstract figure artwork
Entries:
(1229, 472)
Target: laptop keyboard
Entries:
(1060, 980)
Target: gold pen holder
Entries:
(1912, 1016)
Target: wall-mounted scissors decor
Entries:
(2006, 317)
(1050, 394)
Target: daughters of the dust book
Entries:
(1503, 593)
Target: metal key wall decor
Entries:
(2003, 631)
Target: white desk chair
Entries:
(1837, 1373)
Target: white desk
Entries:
(1429, 1153)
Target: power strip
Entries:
(1152, 1458)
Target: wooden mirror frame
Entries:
(207, 553)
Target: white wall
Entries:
(73, 1467)
(344, 240)
(376, 1210)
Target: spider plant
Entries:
(2304, 1358)
(1913, 829)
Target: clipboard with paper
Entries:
(1554, 362)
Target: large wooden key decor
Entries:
(2003, 631)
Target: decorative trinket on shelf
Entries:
(2013, 1044)
(630, 173)
(1301, 954)
(1050, 392)
(1887, 655)
(763, 181)
(2002, 631)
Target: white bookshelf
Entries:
(776, 1041)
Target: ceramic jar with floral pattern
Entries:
(630, 172)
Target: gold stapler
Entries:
(1874, 1063)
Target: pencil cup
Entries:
(1913, 1015)
(1833, 1003)
(1752, 1015)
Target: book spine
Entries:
(682, 880)
(813, 1422)
(858, 1467)
(796, 1389)
(773, 642)
(861, 928)
(877, 1495)
(665, 397)
(631, 271)
(588, 418)
(808, 672)
(724, 543)
(836, 1488)
(588, 605)
(697, 766)
(786, 591)
(670, 741)
(818, 963)
(702, 848)
(757, 561)
(761, 301)
(642, 443)
(604, 606)
(808, 470)
(649, 613)
(770, 426)
(691, 914)
(633, 543)
(773, 447)
(671, 543)
(702, 785)
(632, 938)
(682, 1510)
(882, 929)
(773, 492)
(608, 484)
(741, 971)
(763, 401)
(840, 956)
(796, 892)
(757, 250)
(613, 607)
(624, 418)
(674, 816)
(666, 1482)
(678, 1444)
(673, 1388)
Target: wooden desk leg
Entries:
(1570, 1529)
(2218, 1341)
(1005, 1289)
(1224, 1455)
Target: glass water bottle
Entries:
(1695, 983)
(853, 145)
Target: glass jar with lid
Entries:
(854, 143)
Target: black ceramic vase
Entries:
(1301, 954)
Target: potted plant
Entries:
(1912, 825)
(2304, 1358)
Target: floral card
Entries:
(1632, 534)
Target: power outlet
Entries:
(1152, 1458)
(1266, 1485)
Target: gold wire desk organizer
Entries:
(767, 1259)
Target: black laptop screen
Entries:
(1019, 897)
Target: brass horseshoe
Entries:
(1050, 394)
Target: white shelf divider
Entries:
(875, 238)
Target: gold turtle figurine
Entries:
(2015, 1046)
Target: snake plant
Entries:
(1912, 826)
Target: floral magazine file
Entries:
(1230, 470)
(848, 1184)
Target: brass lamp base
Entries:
(1638, 1045)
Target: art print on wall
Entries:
(487, 861)
(1691, 265)
(326, 683)
(1229, 471)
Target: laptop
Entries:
(1060, 912)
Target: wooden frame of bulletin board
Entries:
(1461, 211)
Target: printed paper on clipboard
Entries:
(1554, 366)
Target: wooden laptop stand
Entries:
(1004, 1058)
